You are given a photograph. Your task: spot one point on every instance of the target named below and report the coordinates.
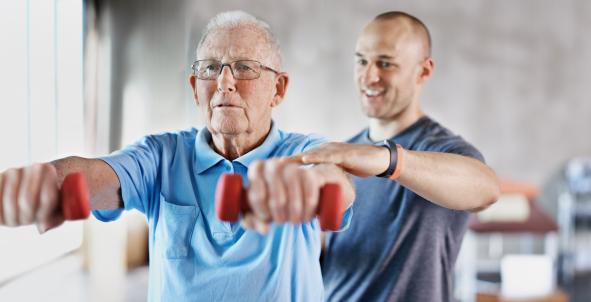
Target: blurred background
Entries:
(88, 77)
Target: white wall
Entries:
(510, 75)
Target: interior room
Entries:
(89, 77)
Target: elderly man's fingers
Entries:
(276, 188)
(311, 194)
(294, 177)
(251, 222)
(247, 221)
(28, 197)
(50, 222)
(257, 191)
(49, 203)
(261, 226)
(12, 180)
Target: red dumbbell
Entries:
(74, 197)
(231, 200)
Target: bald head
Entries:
(392, 63)
(414, 26)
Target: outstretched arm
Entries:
(30, 195)
(449, 180)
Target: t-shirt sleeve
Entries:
(346, 221)
(454, 145)
(137, 167)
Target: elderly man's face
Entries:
(235, 107)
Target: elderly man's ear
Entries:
(281, 83)
(193, 82)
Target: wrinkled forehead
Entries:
(227, 44)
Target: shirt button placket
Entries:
(228, 169)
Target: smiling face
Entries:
(238, 107)
(389, 69)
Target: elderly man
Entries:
(409, 224)
(171, 178)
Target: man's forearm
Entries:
(103, 183)
(449, 180)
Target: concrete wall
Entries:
(510, 75)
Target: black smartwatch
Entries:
(393, 158)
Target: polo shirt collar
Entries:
(206, 157)
(264, 150)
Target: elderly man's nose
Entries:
(226, 81)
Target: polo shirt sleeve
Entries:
(137, 167)
(313, 142)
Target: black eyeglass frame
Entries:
(229, 64)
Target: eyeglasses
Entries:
(241, 70)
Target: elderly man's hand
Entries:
(357, 159)
(30, 195)
(281, 190)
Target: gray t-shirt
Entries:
(399, 246)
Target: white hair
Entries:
(238, 18)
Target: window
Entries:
(41, 111)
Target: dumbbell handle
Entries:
(231, 200)
(74, 197)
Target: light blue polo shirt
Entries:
(171, 178)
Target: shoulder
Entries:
(293, 143)
(181, 135)
(434, 137)
(360, 137)
(167, 140)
